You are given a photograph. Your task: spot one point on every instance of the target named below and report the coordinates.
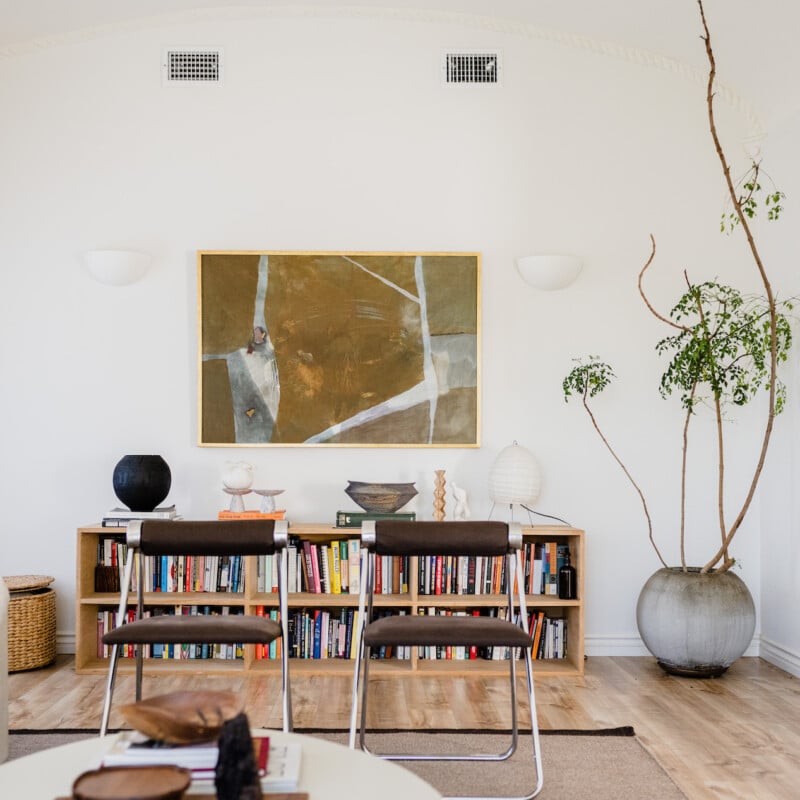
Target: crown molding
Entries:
(632, 55)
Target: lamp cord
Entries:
(530, 511)
(549, 516)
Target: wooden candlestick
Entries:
(438, 496)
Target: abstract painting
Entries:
(346, 349)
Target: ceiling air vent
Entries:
(184, 65)
(482, 66)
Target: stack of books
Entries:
(120, 517)
(278, 763)
(353, 519)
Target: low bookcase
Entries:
(334, 610)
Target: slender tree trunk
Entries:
(721, 554)
(684, 453)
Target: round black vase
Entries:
(142, 482)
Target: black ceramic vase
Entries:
(142, 482)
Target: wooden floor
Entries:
(734, 737)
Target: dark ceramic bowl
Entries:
(380, 498)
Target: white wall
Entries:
(334, 132)
(780, 517)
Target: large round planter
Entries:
(695, 624)
(142, 482)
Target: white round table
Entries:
(328, 771)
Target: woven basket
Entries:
(31, 622)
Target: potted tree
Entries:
(723, 348)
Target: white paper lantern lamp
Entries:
(515, 478)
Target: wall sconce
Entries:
(549, 272)
(515, 478)
(117, 267)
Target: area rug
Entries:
(596, 765)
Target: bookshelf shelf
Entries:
(89, 603)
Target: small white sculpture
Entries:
(462, 509)
(237, 478)
(237, 475)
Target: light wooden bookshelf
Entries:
(89, 602)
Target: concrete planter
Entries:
(695, 624)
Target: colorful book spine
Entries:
(335, 568)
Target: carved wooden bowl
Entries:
(183, 717)
(384, 498)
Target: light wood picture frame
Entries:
(347, 349)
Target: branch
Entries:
(715, 370)
(644, 296)
(628, 476)
(684, 454)
(722, 552)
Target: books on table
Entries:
(279, 514)
(353, 519)
(282, 775)
(278, 762)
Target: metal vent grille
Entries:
(181, 65)
(472, 67)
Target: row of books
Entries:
(107, 621)
(326, 568)
(548, 638)
(487, 575)
(328, 633)
(334, 568)
(330, 568)
(175, 573)
(322, 633)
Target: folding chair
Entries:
(226, 537)
(399, 538)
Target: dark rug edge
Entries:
(624, 730)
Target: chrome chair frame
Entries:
(370, 549)
(266, 631)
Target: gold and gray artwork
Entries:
(333, 348)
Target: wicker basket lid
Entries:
(23, 583)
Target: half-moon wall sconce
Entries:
(117, 267)
(549, 272)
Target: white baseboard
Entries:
(615, 646)
(634, 646)
(781, 657)
(599, 646)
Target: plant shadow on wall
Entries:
(724, 348)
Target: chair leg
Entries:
(537, 752)
(112, 674)
(504, 756)
(364, 694)
(288, 724)
(139, 669)
(366, 578)
(283, 582)
(355, 694)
